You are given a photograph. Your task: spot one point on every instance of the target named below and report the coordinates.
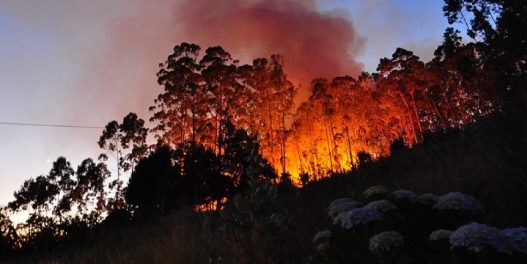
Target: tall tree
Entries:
(154, 185)
(126, 143)
(180, 112)
(271, 105)
(404, 74)
(8, 236)
(228, 97)
(499, 24)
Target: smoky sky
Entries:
(89, 62)
(314, 43)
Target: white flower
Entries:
(360, 216)
(385, 242)
(458, 201)
(404, 195)
(427, 199)
(377, 190)
(440, 234)
(341, 205)
(322, 235)
(476, 237)
(340, 200)
(518, 236)
(382, 206)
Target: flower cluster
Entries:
(385, 242)
(360, 216)
(518, 236)
(382, 206)
(458, 201)
(440, 234)
(341, 205)
(427, 199)
(374, 192)
(476, 237)
(402, 195)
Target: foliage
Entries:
(458, 201)
(440, 234)
(154, 184)
(385, 241)
(518, 236)
(341, 205)
(8, 236)
(223, 131)
(382, 206)
(375, 192)
(126, 142)
(477, 237)
(360, 216)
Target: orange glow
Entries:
(317, 151)
(345, 117)
(210, 206)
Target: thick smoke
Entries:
(313, 43)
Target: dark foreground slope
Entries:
(277, 224)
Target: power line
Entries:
(48, 125)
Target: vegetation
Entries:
(415, 163)
(284, 220)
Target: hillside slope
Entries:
(276, 224)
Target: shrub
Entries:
(440, 234)
(518, 236)
(477, 237)
(404, 195)
(458, 201)
(428, 199)
(341, 205)
(376, 192)
(385, 242)
(382, 206)
(360, 216)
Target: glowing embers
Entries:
(211, 205)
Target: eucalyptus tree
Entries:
(126, 143)
(271, 105)
(8, 236)
(228, 96)
(403, 74)
(499, 26)
(180, 111)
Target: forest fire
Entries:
(261, 158)
(345, 120)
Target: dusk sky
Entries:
(89, 62)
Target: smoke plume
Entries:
(314, 43)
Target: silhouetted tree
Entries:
(180, 112)
(242, 159)
(126, 142)
(155, 182)
(203, 180)
(55, 200)
(8, 236)
(499, 25)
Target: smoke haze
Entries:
(314, 43)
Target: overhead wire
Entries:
(48, 125)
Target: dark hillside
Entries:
(277, 224)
